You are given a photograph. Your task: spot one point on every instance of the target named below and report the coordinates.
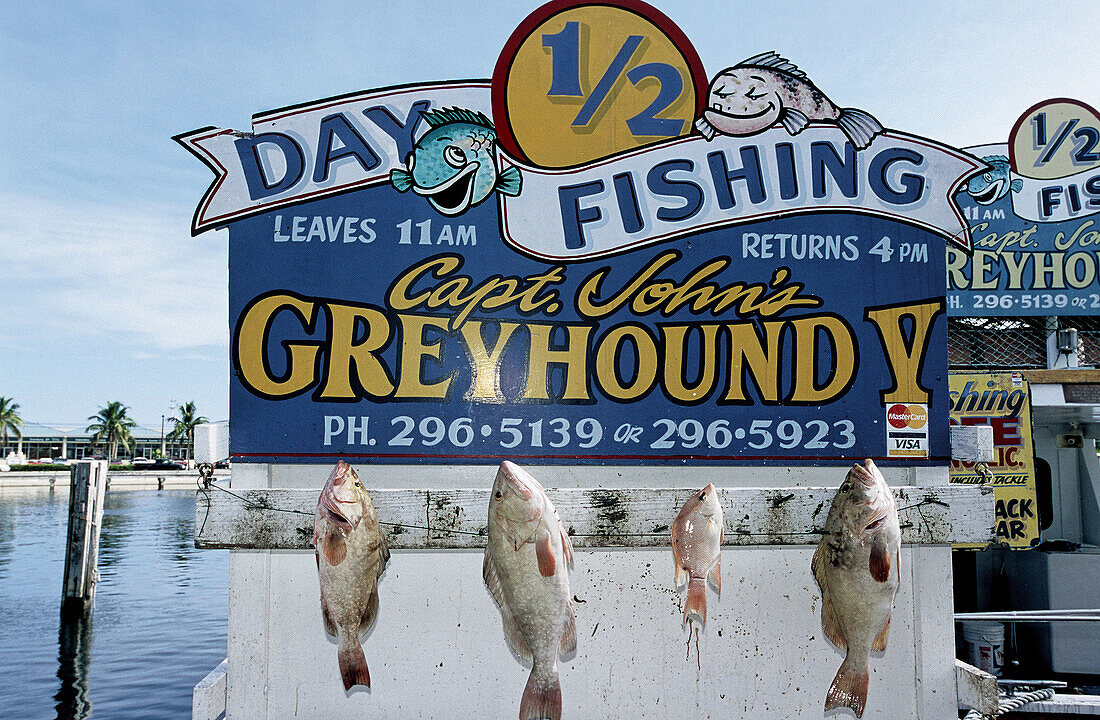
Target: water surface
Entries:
(159, 622)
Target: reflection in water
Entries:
(160, 603)
(74, 641)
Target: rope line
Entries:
(1007, 704)
(205, 485)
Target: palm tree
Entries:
(9, 420)
(184, 426)
(112, 426)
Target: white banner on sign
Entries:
(318, 149)
(691, 185)
(1067, 198)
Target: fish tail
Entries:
(696, 603)
(353, 664)
(401, 179)
(541, 698)
(849, 688)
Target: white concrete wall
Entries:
(437, 648)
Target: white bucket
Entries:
(985, 642)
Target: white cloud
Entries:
(131, 273)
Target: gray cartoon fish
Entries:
(993, 184)
(755, 94)
(453, 164)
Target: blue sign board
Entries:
(414, 277)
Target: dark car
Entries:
(162, 464)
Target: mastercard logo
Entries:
(907, 416)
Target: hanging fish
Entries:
(858, 566)
(696, 550)
(453, 165)
(351, 555)
(526, 568)
(767, 89)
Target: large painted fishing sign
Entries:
(1034, 218)
(599, 255)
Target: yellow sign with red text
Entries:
(1001, 400)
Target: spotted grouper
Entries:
(767, 89)
(858, 565)
(351, 555)
(526, 568)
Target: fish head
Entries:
(341, 501)
(993, 184)
(865, 497)
(517, 503)
(743, 101)
(453, 165)
(704, 502)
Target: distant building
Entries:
(44, 442)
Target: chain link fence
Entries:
(1004, 343)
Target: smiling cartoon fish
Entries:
(755, 94)
(993, 184)
(453, 164)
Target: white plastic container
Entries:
(985, 643)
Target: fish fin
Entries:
(880, 640)
(715, 576)
(860, 127)
(830, 623)
(879, 562)
(817, 564)
(371, 611)
(511, 631)
(353, 664)
(995, 159)
(333, 547)
(794, 120)
(774, 60)
(513, 635)
(849, 688)
(401, 179)
(1017, 185)
(544, 554)
(567, 549)
(541, 699)
(569, 635)
(696, 603)
(509, 182)
(682, 575)
(705, 128)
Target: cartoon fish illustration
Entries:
(351, 555)
(526, 568)
(696, 550)
(857, 565)
(755, 94)
(453, 165)
(993, 184)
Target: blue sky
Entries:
(105, 294)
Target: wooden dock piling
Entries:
(87, 483)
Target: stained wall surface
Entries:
(437, 648)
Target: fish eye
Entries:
(987, 177)
(358, 484)
(846, 487)
(752, 94)
(499, 495)
(454, 156)
(702, 496)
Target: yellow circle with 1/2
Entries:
(577, 83)
(1055, 139)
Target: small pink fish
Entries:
(696, 549)
(857, 565)
(351, 555)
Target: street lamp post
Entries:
(162, 436)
